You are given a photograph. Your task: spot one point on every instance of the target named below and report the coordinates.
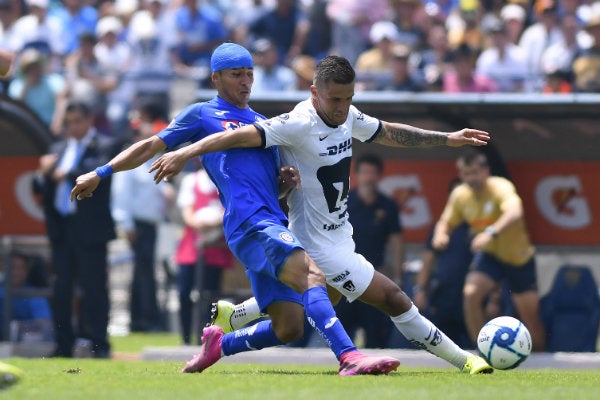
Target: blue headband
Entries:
(230, 55)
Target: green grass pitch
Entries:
(89, 379)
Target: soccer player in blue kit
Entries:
(285, 280)
(316, 138)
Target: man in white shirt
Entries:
(316, 137)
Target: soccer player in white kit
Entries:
(316, 137)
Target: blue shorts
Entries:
(263, 245)
(520, 278)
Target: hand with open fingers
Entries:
(85, 185)
(467, 136)
(167, 166)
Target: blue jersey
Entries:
(246, 178)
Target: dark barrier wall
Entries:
(547, 144)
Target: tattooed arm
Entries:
(402, 135)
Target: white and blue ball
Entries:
(504, 342)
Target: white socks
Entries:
(425, 335)
(245, 313)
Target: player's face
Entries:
(234, 85)
(332, 101)
(473, 175)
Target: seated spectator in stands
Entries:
(319, 38)
(114, 60)
(33, 311)
(269, 75)
(403, 79)
(351, 23)
(405, 12)
(44, 92)
(431, 61)
(503, 62)
(286, 26)
(200, 30)
(374, 66)
(239, 16)
(40, 31)
(304, 67)
(557, 59)
(150, 37)
(464, 25)
(86, 82)
(461, 76)
(77, 18)
(557, 82)
(514, 16)
(538, 37)
(586, 67)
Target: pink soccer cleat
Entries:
(210, 352)
(357, 363)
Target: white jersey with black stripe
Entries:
(322, 154)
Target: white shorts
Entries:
(348, 272)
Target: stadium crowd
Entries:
(113, 54)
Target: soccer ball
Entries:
(504, 342)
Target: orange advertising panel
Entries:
(561, 199)
(20, 212)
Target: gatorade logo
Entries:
(407, 191)
(561, 202)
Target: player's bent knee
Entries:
(289, 333)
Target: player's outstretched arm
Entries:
(402, 135)
(169, 164)
(130, 158)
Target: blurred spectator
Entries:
(557, 60)
(200, 30)
(503, 61)
(513, 16)
(403, 79)
(138, 207)
(78, 232)
(86, 82)
(377, 233)
(586, 67)
(351, 24)
(304, 67)
(319, 41)
(7, 22)
(536, 39)
(44, 92)
(286, 26)
(557, 82)
(77, 18)
(464, 26)
(374, 66)
(114, 60)
(462, 78)
(40, 31)
(202, 253)
(152, 36)
(32, 314)
(405, 12)
(269, 75)
(241, 16)
(431, 61)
